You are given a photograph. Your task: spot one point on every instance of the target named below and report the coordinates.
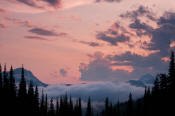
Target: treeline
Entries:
(23, 100)
(157, 101)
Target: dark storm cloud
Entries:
(153, 60)
(54, 3)
(141, 11)
(112, 37)
(44, 32)
(164, 34)
(100, 69)
(28, 2)
(63, 72)
(141, 28)
(167, 18)
(161, 38)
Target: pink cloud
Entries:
(20, 22)
(123, 67)
(41, 3)
(165, 59)
(76, 19)
(3, 26)
(172, 44)
(2, 10)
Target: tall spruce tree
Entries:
(22, 92)
(57, 107)
(36, 100)
(51, 108)
(46, 106)
(130, 106)
(89, 108)
(22, 95)
(5, 81)
(1, 81)
(118, 108)
(12, 84)
(106, 112)
(30, 98)
(79, 107)
(172, 71)
(41, 110)
(1, 90)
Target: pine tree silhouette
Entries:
(130, 106)
(1, 79)
(51, 108)
(57, 107)
(79, 107)
(22, 92)
(89, 108)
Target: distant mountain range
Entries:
(28, 76)
(145, 80)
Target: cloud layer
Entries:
(97, 91)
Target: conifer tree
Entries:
(1, 90)
(57, 107)
(79, 107)
(12, 84)
(46, 106)
(22, 86)
(31, 91)
(1, 82)
(163, 83)
(22, 95)
(89, 108)
(70, 108)
(5, 81)
(156, 87)
(172, 71)
(118, 108)
(51, 108)
(36, 100)
(106, 112)
(42, 104)
(30, 98)
(130, 106)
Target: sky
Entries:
(87, 41)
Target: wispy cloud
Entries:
(108, 0)
(3, 26)
(63, 72)
(35, 37)
(92, 44)
(41, 3)
(42, 31)
(3, 10)
(141, 11)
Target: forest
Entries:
(22, 100)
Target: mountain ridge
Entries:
(28, 77)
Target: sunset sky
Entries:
(77, 41)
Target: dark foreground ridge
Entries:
(20, 100)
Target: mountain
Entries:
(28, 76)
(145, 80)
